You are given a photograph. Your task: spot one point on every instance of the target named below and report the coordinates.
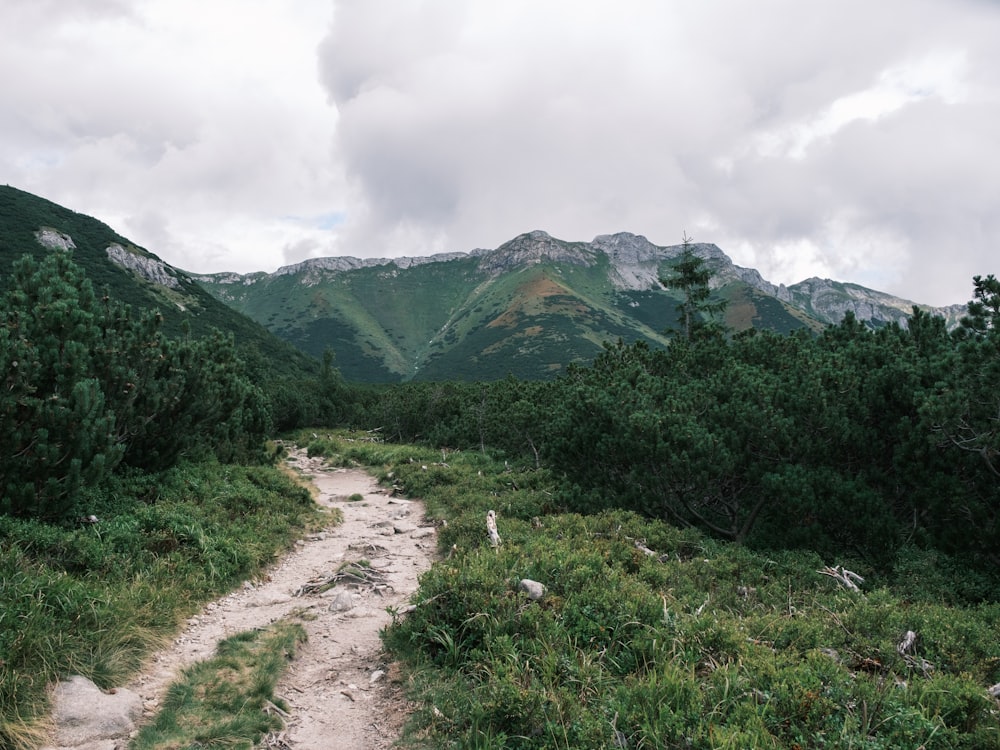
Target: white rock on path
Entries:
(87, 717)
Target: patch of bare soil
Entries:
(341, 689)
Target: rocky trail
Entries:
(341, 690)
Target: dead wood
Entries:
(352, 573)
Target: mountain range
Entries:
(529, 307)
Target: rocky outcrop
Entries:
(54, 240)
(833, 300)
(151, 269)
(314, 270)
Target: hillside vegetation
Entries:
(182, 303)
(853, 442)
(297, 387)
(651, 636)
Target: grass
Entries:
(648, 635)
(97, 599)
(228, 700)
(701, 644)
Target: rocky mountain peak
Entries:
(534, 247)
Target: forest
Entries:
(857, 446)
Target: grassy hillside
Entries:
(468, 319)
(22, 215)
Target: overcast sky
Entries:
(845, 139)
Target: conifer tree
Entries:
(691, 278)
(967, 413)
(89, 384)
(56, 432)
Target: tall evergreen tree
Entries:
(691, 278)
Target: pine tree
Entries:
(691, 278)
(89, 384)
(56, 433)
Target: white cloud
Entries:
(193, 128)
(937, 75)
(850, 139)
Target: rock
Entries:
(83, 714)
(533, 589)
(54, 240)
(342, 602)
(151, 269)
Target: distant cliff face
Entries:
(150, 268)
(830, 301)
(530, 306)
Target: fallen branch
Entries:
(641, 546)
(842, 575)
(270, 708)
(348, 572)
(644, 549)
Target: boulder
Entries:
(86, 716)
(533, 589)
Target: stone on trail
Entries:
(84, 714)
(342, 602)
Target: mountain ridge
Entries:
(544, 293)
(624, 247)
(530, 307)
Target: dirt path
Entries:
(340, 688)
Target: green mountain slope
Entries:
(529, 308)
(32, 225)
